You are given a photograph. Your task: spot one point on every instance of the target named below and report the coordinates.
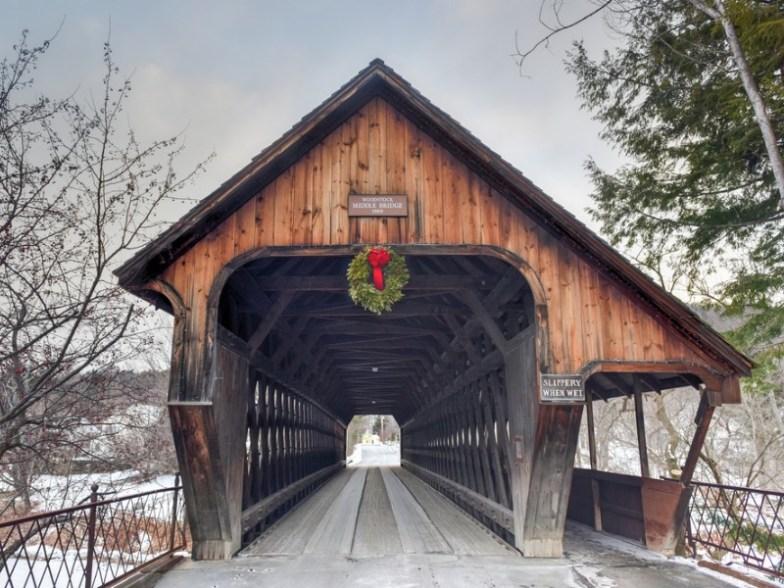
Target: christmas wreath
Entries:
(376, 279)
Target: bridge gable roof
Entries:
(379, 80)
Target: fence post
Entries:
(174, 511)
(684, 514)
(88, 568)
(689, 534)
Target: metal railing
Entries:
(746, 523)
(94, 544)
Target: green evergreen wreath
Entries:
(361, 288)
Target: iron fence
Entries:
(741, 523)
(94, 544)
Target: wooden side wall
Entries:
(292, 447)
(231, 375)
(464, 440)
(241, 452)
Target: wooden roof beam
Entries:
(403, 309)
(270, 318)
(482, 313)
(463, 340)
(338, 283)
(295, 331)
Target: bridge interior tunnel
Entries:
(435, 363)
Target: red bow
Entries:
(378, 258)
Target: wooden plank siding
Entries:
(449, 205)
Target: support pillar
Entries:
(544, 442)
(708, 402)
(523, 410)
(207, 402)
(642, 442)
(595, 493)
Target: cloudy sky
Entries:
(234, 75)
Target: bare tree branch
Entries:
(520, 56)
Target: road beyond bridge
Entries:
(379, 525)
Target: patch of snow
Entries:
(57, 492)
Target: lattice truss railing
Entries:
(743, 524)
(464, 439)
(93, 544)
(287, 439)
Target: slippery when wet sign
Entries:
(562, 388)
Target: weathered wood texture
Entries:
(642, 509)
(196, 442)
(544, 441)
(266, 507)
(492, 515)
(264, 355)
(523, 412)
(378, 150)
(377, 512)
(229, 468)
(210, 448)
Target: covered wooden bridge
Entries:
(515, 318)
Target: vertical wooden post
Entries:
(642, 443)
(472, 428)
(591, 429)
(702, 420)
(483, 428)
(595, 495)
(500, 405)
(557, 430)
(522, 412)
(208, 426)
(493, 426)
(707, 405)
(544, 442)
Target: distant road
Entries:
(378, 455)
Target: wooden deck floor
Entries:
(377, 511)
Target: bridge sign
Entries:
(377, 205)
(561, 388)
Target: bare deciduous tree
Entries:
(78, 192)
(741, 448)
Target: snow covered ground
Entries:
(369, 455)
(57, 492)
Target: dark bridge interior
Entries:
(296, 312)
(450, 328)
